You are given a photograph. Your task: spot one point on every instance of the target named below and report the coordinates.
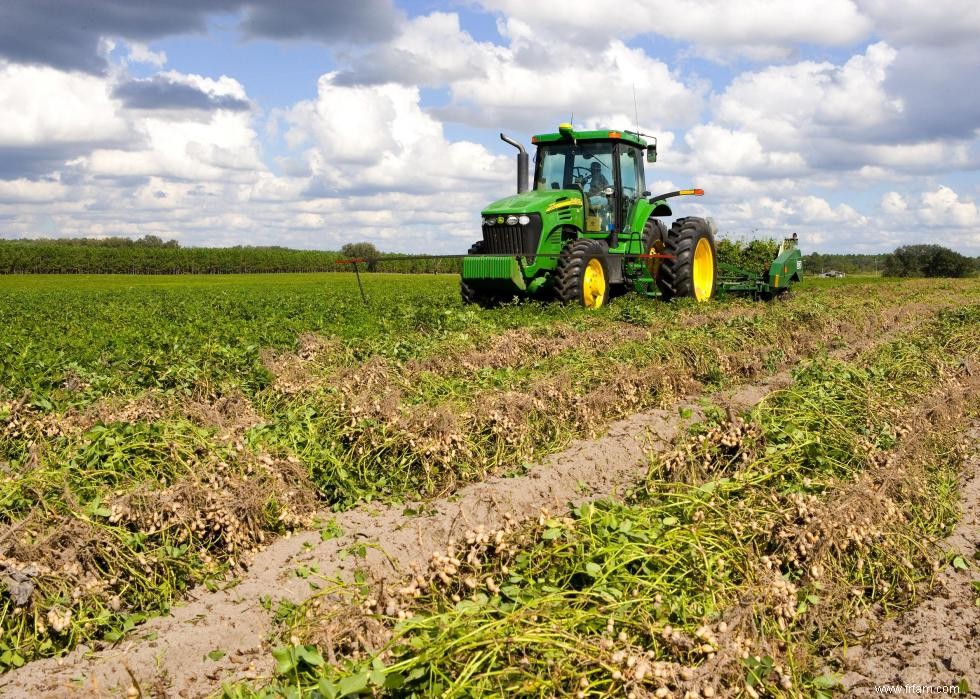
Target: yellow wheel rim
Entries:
(704, 270)
(593, 284)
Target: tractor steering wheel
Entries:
(586, 178)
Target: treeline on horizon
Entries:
(152, 255)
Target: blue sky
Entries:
(311, 124)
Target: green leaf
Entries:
(826, 681)
(327, 688)
(960, 563)
(670, 521)
(216, 654)
(309, 655)
(512, 591)
(963, 686)
(593, 569)
(394, 680)
(353, 684)
(552, 533)
(285, 658)
(377, 676)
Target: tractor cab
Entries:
(604, 167)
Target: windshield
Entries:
(564, 166)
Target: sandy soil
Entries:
(170, 653)
(936, 644)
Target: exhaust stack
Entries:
(521, 163)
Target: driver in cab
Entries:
(597, 183)
(598, 201)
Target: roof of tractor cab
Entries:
(566, 133)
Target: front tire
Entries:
(692, 270)
(582, 274)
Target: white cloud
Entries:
(45, 107)
(140, 53)
(930, 23)
(894, 203)
(719, 150)
(786, 104)
(849, 153)
(762, 29)
(34, 191)
(223, 148)
(943, 207)
(379, 137)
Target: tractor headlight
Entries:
(524, 219)
(511, 220)
(489, 221)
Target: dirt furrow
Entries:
(936, 644)
(173, 651)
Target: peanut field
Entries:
(162, 439)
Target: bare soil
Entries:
(936, 644)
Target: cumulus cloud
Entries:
(364, 20)
(68, 35)
(45, 107)
(938, 24)
(943, 207)
(762, 29)
(173, 90)
(378, 137)
(140, 53)
(779, 148)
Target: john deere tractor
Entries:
(589, 229)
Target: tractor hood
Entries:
(535, 201)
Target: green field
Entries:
(155, 431)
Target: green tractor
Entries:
(589, 229)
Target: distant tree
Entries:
(366, 251)
(927, 261)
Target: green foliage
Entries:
(755, 256)
(580, 604)
(849, 263)
(151, 255)
(927, 261)
(365, 251)
(72, 347)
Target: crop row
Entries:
(149, 443)
(736, 566)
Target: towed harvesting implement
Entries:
(588, 229)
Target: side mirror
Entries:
(652, 153)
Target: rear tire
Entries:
(654, 242)
(582, 274)
(692, 270)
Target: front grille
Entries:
(501, 239)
